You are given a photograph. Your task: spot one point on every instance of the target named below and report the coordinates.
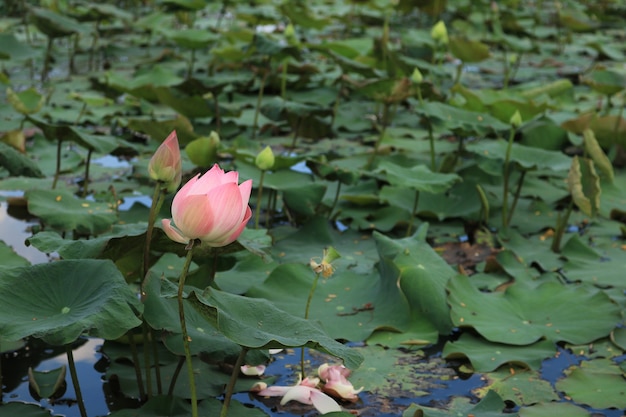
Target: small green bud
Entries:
(516, 119)
(417, 76)
(265, 159)
(290, 31)
(439, 32)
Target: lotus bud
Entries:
(249, 370)
(165, 165)
(290, 31)
(265, 159)
(417, 76)
(516, 119)
(439, 32)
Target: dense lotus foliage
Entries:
(278, 207)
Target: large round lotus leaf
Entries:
(24, 410)
(59, 301)
(553, 409)
(519, 317)
(492, 406)
(256, 323)
(521, 386)
(486, 356)
(61, 210)
(598, 383)
(171, 406)
(526, 156)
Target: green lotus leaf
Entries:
(17, 163)
(606, 81)
(468, 50)
(490, 406)
(553, 409)
(12, 409)
(486, 356)
(584, 185)
(61, 210)
(521, 386)
(172, 406)
(257, 324)
(60, 301)
(521, 317)
(191, 38)
(11, 48)
(418, 177)
(456, 119)
(47, 384)
(527, 157)
(55, 25)
(598, 383)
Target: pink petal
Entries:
(225, 202)
(245, 188)
(299, 393)
(274, 391)
(323, 403)
(172, 232)
(184, 191)
(194, 216)
(234, 235)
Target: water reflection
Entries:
(15, 228)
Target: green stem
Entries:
(231, 382)
(133, 352)
(47, 59)
(191, 63)
(296, 131)
(86, 180)
(413, 213)
(79, 395)
(506, 175)
(561, 224)
(57, 171)
(283, 80)
(257, 110)
(1, 392)
(385, 116)
(183, 327)
(146, 358)
(459, 71)
(155, 354)
(157, 202)
(179, 366)
(518, 191)
(431, 141)
(306, 316)
(259, 195)
(332, 208)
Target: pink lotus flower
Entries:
(211, 207)
(305, 392)
(165, 165)
(336, 382)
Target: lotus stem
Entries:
(146, 358)
(183, 328)
(155, 355)
(413, 213)
(74, 374)
(561, 224)
(133, 351)
(306, 316)
(518, 191)
(231, 382)
(179, 366)
(47, 59)
(257, 109)
(431, 141)
(57, 171)
(283, 80)
(506, 175)
(157, 202)
(259, 195)
(86, 180)
(332, 208)
(383, 128)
